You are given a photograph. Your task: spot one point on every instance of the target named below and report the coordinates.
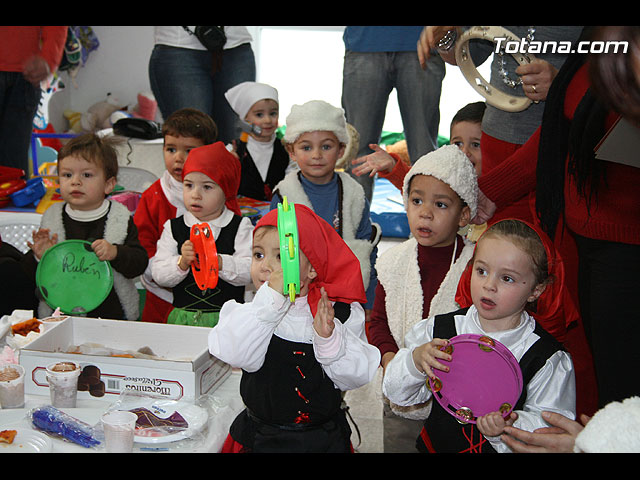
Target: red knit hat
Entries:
(221, 166)
(555, 309)
(337, 266)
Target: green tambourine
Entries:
(71, 277)
(289, 248)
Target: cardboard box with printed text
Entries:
(176, 362)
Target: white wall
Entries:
(302, 62)
(118, 66)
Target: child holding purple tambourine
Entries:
(512, 269)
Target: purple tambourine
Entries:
(483, 377)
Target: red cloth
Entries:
(19, 43)
(152, 212)
(494, 152)
(231, 446)
(221, 166)
(337, 266)
(555, 308)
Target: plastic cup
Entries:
(119, 430)
(11, 385)
(63, 383)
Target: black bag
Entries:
(137, 128)
(213, 38)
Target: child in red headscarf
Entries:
(210, 178)
(514, 277)
(297, 357)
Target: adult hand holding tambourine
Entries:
(495, 97)
(452, 44)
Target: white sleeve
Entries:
(403, 384)
(236, 268)
(551, 389)
(164, 264)
(244, 330)
(346, 356)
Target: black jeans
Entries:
(18, 105)
(609, 290)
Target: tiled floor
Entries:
(365, 407)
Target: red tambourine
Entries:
(483, 377)
(205, 266)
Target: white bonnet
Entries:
(450, 165)
(246, 94)
(313, 116)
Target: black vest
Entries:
(187, 294)
(292, 406)
(445, 433)
(251, 184)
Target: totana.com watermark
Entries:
(523, 46)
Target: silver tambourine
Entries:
(495, 97)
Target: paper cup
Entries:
(11, 385)
(50, 322)
(119, 429)
(63, 383)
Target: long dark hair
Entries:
(576, 139)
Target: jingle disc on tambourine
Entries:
(205, 266)
(483, 377)
(493, 96)
(71, 277)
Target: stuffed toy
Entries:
(97, 117)
(146, 107)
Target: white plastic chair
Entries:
(135, 179)
(16, 228)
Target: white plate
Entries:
(195, 416)
(27, 441)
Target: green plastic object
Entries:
(289, 248)
(71, 277)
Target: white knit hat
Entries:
(314, 116)
(246, 94)
(450, 165)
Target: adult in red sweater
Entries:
(590, 208)
(28, 55)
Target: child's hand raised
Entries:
(492, 424)
(425, 357)
(378, 161)
(42, 241)
(187, 255)
(323, 323)
(276, 280)
(104, 250)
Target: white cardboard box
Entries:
(186, 367)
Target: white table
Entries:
(226, 399)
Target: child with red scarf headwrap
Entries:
(297, 357)
(210, 177)
(515, 277)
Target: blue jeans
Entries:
(182, 77)
(368, 79)
(18, 105)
